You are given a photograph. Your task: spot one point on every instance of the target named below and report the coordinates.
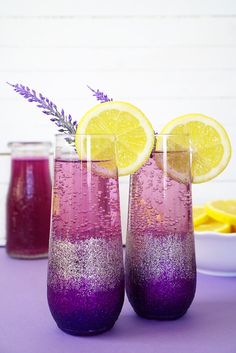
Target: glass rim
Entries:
(29, 143)
(74, 135)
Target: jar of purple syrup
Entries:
(28, 200)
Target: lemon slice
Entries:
(199, 215)
(213, 226)
(222, 211)
(133, 131)
(210, 144)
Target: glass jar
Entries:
(29, 200)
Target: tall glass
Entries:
(85, 270)
(160, 255)
(29, 200)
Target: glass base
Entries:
(85, 333)
(28, 256)
(161, 317)
(217, 273)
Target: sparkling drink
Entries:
(160, 258)
(85, 273)
(29, 202)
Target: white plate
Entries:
(216, 253)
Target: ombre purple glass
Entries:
(85, 270)
(160, 255)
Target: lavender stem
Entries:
(64, 122)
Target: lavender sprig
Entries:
(100, 95)
(63, 121)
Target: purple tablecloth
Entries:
(26, 325)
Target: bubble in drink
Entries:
(160, 257)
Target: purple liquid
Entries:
(160, 256)
(85, 273)
(28, 208)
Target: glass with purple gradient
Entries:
(160, 255)
(29, 200)
(85, 270)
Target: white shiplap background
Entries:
(169, 57)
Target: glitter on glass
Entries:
(94, 259)
(160, 255)
(85, 268)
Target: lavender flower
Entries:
(100, 95)
(63, 121)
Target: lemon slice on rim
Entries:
(133, 131)
(199, 215)
(210, 144)
(222, 211)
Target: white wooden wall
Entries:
(169, 57)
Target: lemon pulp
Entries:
(133, 131)
(210, 144)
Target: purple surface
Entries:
(26, 325)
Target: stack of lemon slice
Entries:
(216, 216)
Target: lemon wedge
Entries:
(210, 144)
(213, 226)
(199, 215)
(223, 211)
(132, 129)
